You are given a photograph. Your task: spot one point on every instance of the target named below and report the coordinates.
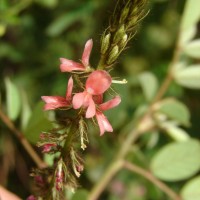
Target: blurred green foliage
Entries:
(34, 34)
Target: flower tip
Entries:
(44, 98)
(87, 52)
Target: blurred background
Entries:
(34, 34)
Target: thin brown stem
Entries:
(38, 161)
(149, 176)
(114, 167)
(110, 172)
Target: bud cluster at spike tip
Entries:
(96, 84)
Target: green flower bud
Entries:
(123, 42)
(119, 34)
(105, 43)
(132, 22)
(124, 15)
(113, 55)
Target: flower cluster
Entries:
(90, 100)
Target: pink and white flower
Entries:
(96, 84)
(69, 65)
(54, 102)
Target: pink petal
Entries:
(53, 99)
(103, 123)
(69, 65)
(86, 52)
(53, 102)
(110, 104)
(69, 88)
(78, 100)
(98, 82)
(91, 109)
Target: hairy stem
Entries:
(38, 161)
(149, 176)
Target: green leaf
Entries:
(192, 49)
(2, 29)
(188, 77)
(38, 122)
(65, 20)
(175, 132)
(175, 110)
(80, 194)
(26, 111)
(191, 189)
(13, 99)
(187, 35)
(191, 14)
(149, 84)
(47, 3)
(177, 161)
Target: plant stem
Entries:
(102, 65)
(110, 172)
(38, 161)
(114, 167)
(149, 176)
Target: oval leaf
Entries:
(38, 122)
(175, 110)
(192, 49)
(149, 85)
(188, 77)
(191, 190)
(187, 35)
(191, 14)
(12, 99)
(177, 161)
(175, 132)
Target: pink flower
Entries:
(48, 147)
(53, 102)
(31, 197)
(103, 122)
(96, 84)
(69, 65)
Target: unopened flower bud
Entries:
(105, 43)
(76, 163)
(60, 175)
(113, 55)
(80, 168)
(39, 180)
(119, 34)
(46, 148)
(133, 21)
(31, 197)
(123, 42)
(124, 15)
